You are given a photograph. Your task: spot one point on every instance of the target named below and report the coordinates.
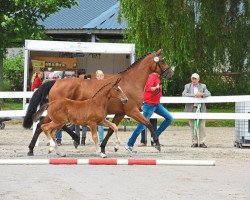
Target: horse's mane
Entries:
(133, 64)
(101, 89)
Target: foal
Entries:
(91, 112)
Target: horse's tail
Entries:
(39, 113)
(38, 98)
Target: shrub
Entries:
(13, 73)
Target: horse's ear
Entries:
(159, 52)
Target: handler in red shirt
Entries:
(37, 81)
(152, 95)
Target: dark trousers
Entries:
(153, 121)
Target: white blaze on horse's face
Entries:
(123, 99)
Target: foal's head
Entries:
(159, 66)
(116, 92)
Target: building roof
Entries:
(88, 14)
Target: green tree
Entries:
(208, 37)
(19, 21)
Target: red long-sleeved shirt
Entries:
(152, 97)
(37, 82)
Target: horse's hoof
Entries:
(30, 153)
(116, 147)
(61, 154)
(102, 150)
(103, 155)
(158, 147)
(76, 144)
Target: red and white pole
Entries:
(73, 161)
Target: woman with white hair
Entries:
(99, 75)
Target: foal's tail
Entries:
(39, 113)
(38, 98)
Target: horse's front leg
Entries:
(93, 129)
(115, 129)
(117, 119)
(36, 135)
(136, 114)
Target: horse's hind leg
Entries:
(36, 135)
(117, 119)
(115, 129)
(50, 131)
(47, 131)
(54, 143)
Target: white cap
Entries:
(195, 75)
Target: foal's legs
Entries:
(47, 131)
(53, 143)
(117, 119)
(50, 130)
(93, 129)
(115, 129)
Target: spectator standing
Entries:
(197, 90)
(38, 80)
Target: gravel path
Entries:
(14, 141)
(229, 179)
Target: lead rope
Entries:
(196, 123)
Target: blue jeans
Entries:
(148, 110)
(100, 130)
(59, 135)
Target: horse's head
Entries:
(116, 92)
(159, 66)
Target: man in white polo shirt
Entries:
(197, 90)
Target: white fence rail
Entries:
(165, 100)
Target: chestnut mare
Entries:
(91, 112)
(133, 81)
